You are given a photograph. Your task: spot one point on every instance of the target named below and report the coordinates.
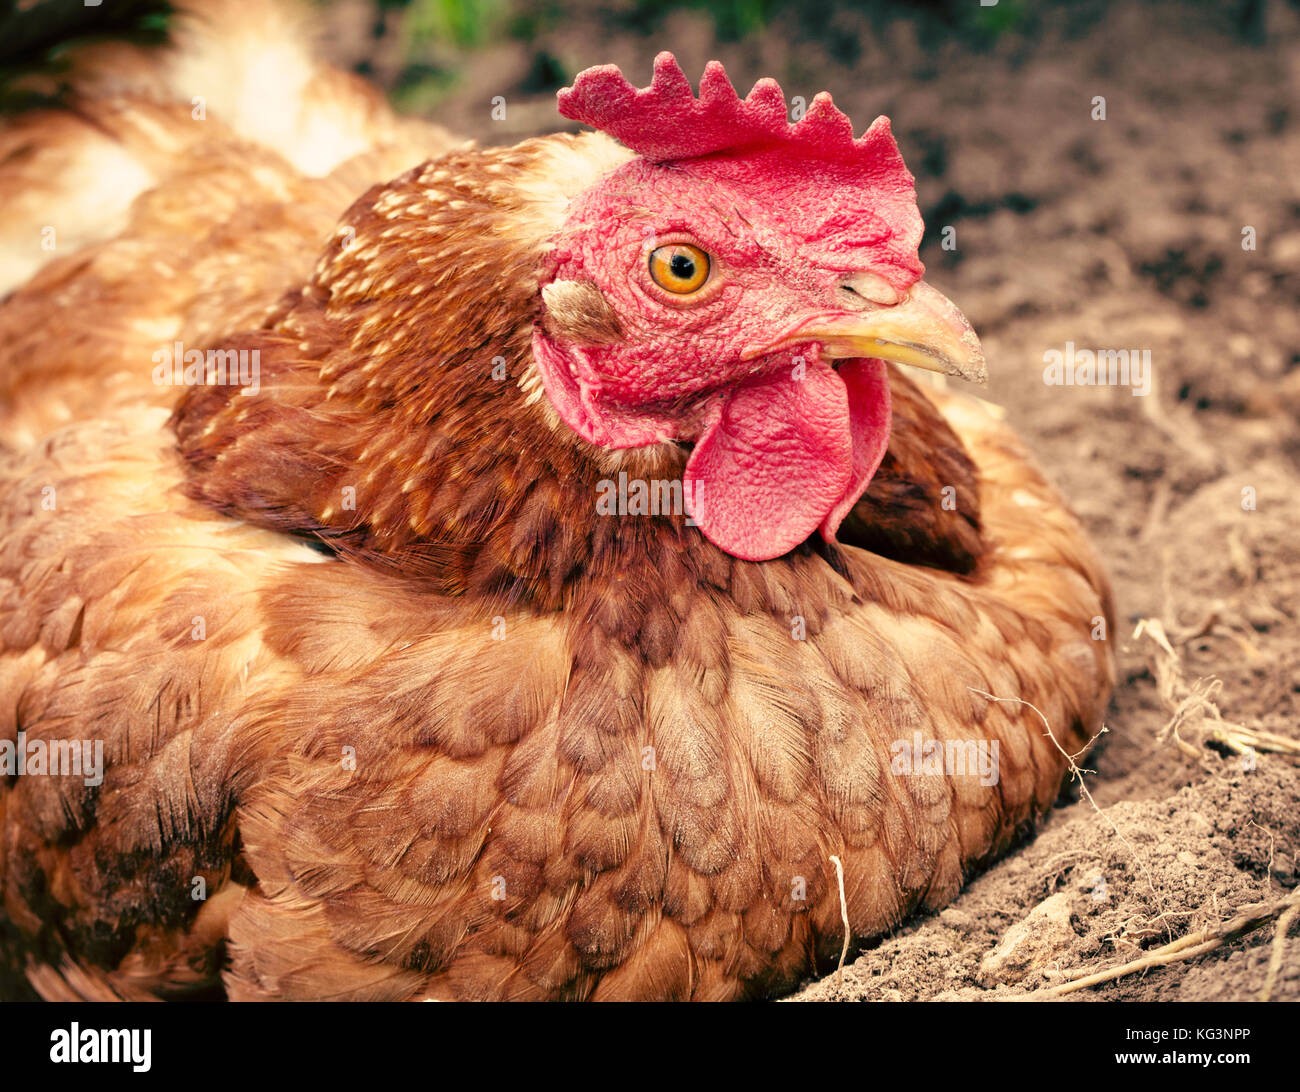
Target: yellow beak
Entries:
(924, 330)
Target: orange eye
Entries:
(679, 268)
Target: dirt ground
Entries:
(1118, 233)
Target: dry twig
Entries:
(1077, 773)
(1188, 947)
(1284, 924)
(844, 916)
(1194, 706)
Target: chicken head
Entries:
(738, 287)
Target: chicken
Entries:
(537, 579)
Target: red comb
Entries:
(851, 194)
(665, 121)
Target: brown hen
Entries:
(387, 708)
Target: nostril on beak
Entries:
(861, 291)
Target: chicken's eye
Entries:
(679, 268)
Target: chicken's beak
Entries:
(924, 330)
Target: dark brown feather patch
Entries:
(577, 312)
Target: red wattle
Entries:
(870, 414)
(781, 457)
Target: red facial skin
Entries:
(784, 443)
